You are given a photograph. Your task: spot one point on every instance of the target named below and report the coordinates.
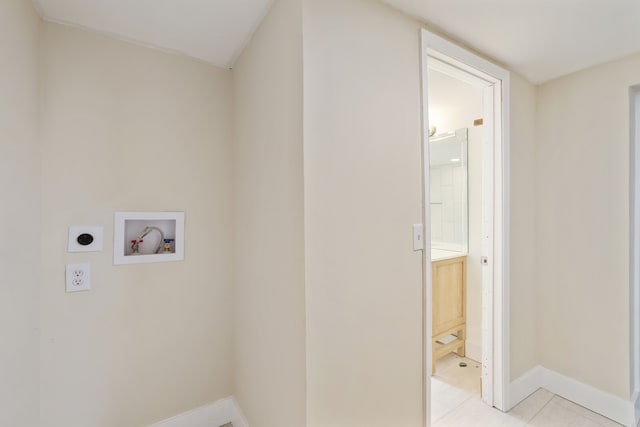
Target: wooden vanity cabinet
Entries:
(448, 290)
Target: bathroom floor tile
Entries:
(584, 416)
(445, 398)
(456, 402)
(532, 405)
(474, 412)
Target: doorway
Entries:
(449, 59)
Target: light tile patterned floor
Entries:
(456, 403)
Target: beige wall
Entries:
(453, 103)
(129, 128)
(582, 158)
(20, 217)
(268, 213)
(143, 346)
(522, 281)
(362, 194)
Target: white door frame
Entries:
(495, 231)
(634, 248)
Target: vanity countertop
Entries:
(440, 254)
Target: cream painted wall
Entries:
(523, 251)
(142, 346)
(20, 218)
(362, 194)
(582, 209)
(129, 128)
(269, 272)
(454, 104)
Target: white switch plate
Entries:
(95, 231)
(418, 237)
(78, 277)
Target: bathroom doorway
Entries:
(465, 217)
(455, 172)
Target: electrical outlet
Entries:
(85, 238)
(78, 277)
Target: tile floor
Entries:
(456, 402)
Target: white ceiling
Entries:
(214, 31)
(540, 39)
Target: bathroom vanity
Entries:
(449, 241)
(448, 290)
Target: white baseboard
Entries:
(525, 385)
(215, 414)
(596, 400)
(237, 418)
(603, 403)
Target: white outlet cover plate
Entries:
(96, 231)
(78, 277)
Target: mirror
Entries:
(449, 188)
